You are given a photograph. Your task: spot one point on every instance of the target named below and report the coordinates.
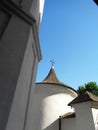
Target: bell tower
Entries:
(19, 56)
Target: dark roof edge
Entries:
(70, 104)
(59, 85)
(68, 115)
(84, 97)
(96, 1)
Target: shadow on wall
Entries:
(53, 126)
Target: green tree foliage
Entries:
(90, 87)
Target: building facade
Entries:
(24, 105)
(85, 115)
(19, 56)
(56, 106)
(49, 102)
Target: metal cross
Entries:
(52, 62)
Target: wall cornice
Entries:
(14, 9)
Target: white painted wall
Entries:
(50, 101)
(83, 119)
(84, 116)
(68, 124)
(25, 80)
(37, 10)
(42, 2)
(95, 117)
(20, 54)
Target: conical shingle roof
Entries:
(51, 77)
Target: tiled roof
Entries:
(84, 97)
(68, 115)
(51, 77)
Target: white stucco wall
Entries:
(42, 2)
(50, 101)
(68, 124)
(95, 117)
(18, 118)
(37, 10)
(84, 116)
(83, 119)
(19, 57)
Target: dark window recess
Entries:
(4, 20)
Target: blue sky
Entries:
(69, 35)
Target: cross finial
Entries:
(52, 63)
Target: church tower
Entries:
(19, 56)
(50, 101)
